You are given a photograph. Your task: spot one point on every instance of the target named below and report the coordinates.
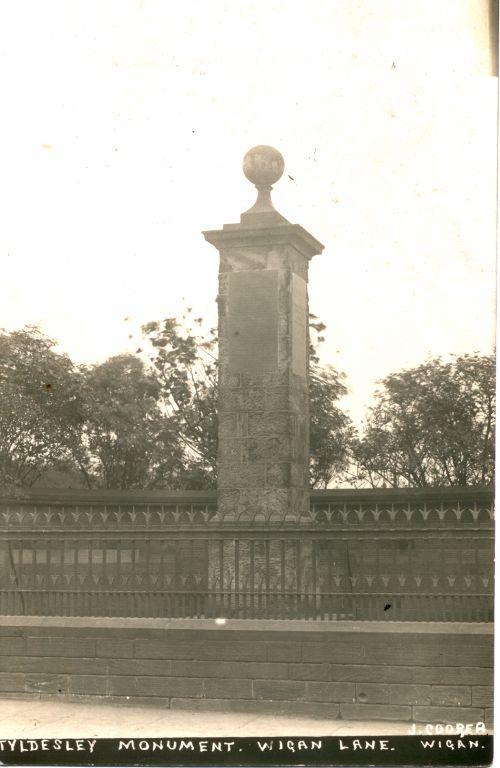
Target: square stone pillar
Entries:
(263, 459)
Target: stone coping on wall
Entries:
(332, 495)
(258, 625)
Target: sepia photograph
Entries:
(247, 382)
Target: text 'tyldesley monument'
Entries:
(263, 459)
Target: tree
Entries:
(127, 439)
(331, 429)
(185, 359)
(104, 423)
(130, 423)
(40, 408)
(431, 425)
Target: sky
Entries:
(124, 126)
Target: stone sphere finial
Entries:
(263, 166)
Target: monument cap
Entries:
(263, 165)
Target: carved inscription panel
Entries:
(299, 326)
(253, 321)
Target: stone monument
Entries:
(263, 356)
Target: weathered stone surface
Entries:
(335, 692)
(482, 695)
(276, 398)
(232, 688)
(252, 321)
(229, 669)
(410, 694)
(161, 649)
(278, 475)
(284, 652)
(375, 712)
(118, 649)
(156, 702)
(53, 664)
(488, 717)
(230, 450)
(155, 686)
(162, 667)
(299, 326)
(273, 448)
(448, 714)
(279, 689)
(309, 671)
(58, 646)
(268, 380)
(11, 682)
(424, 651)
(306, 709)
(233, 651)
(12, 646)
(254, 399)
(245, 476)
(452, 675)
(450, 695)
(271, 669)
(269, 424)
(366, 673)
(341, 650)
(46, 683)
(263, 360)
(254, 504)
(372, 693)
(88, 684)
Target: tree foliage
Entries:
(149, 420)
(185, 361)
(104, 423)
(331, 429)
(431, 425)
(127, 439)
(40, 406)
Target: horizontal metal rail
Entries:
(439, 576)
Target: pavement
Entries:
(47, 719)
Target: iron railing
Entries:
(363, 555)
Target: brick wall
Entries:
(412, 672)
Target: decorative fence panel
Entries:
(363, 555)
